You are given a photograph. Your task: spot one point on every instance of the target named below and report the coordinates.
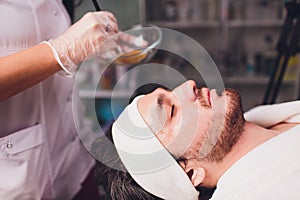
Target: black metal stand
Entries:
(69, 5)
(287, 46)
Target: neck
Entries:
(252, 136)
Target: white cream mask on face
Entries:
(146, 159)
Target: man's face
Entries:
(182, 118)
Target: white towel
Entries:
(269, 115)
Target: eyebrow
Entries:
(160, 99)
(156, 113)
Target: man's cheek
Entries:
(187, 133)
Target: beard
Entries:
(224, 130)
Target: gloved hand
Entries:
(83, 39)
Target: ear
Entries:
(195, 173)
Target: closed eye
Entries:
(172, 110)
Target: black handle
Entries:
(96, 5)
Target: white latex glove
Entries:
(83, 39)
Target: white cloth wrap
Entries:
(269, 115)
(146, 159)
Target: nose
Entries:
(186, 90)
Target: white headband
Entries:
(146, 159)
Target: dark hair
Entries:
(112, 183)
